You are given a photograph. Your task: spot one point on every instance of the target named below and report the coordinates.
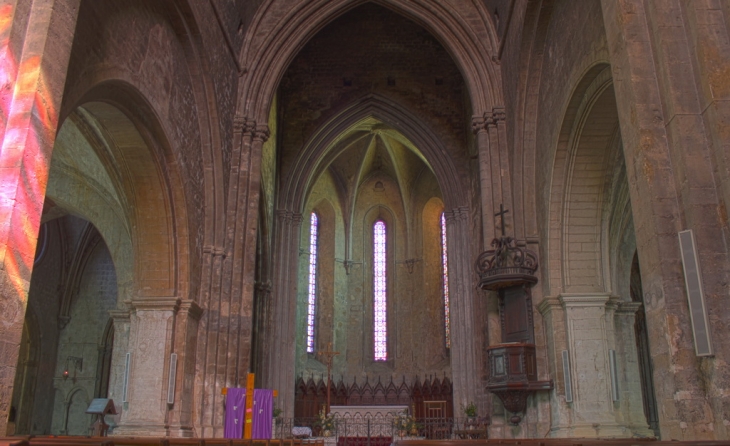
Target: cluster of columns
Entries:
(585, 402)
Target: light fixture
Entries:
(78, 365)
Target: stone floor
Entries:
(165, 441)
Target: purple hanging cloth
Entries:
(263, 409)
(235, 411)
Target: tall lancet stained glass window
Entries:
(445, 281)
(312, 292)
(380, 292)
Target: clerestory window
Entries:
(312, 292)
(380, 292)
(445, 281)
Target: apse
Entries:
(373, 155)
(371, 280)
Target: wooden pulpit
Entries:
(510, 269)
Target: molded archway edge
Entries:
(138, 162)
(295, 190)
(592, 94)
(280, 30)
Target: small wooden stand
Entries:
(101, 407)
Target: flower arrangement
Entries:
(405, 423)
(470, 410)
(276, 413)
(326, 422)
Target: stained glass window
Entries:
(380, 292)
(312, 293)
(445, 277)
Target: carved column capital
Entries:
(119, 314)
(498, 115)
(192, 309)
(165, 303)
(548, 305)
(584, 300)
(628, 308)
(478, 124)
(283, 215)
(238, 123)
(215, 251)
(489, 121)
(243, 125)
(261, 132)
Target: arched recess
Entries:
(146, 195)
(324, 146)
(280, 29)
(137, 156)
(79, 163)
(587, 157)
(590, 229)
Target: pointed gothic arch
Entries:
(318, 150)
(273, 48)
(137, 156)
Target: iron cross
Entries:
(500, 214)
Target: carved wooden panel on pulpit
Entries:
(516, 314)
(509, 268)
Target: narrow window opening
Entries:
(380, 292)
(312, 292)
(445, 281)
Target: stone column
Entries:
(121, 321)
(261, 328)
(462, 286)
(226, 350)
(665, 57)
(279, 362)
(185, 345)
(34, 67)
(479, 127)
(630, 399)
(152, 330)
(497, 126)
(555, 329)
